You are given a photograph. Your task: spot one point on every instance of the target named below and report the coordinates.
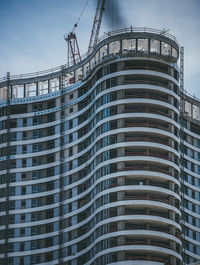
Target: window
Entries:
(36, 202)
(24, 162)
(71, 110)
(165, 48)
(37, 147)
(36, 216)
(196, 112)
(18, 91)
(103, 52)
(31, 90)
(128, 45)
(23, 190)
(36, 188)
(13, 150)
(50, 158)
(35, 259)
(37, 161)
(50, 144)
(155, 46)
(43, 87)
(50, 171)
(49, 214)
(24, 122)
(24, 136)
(24, 149)
(174, 52)
(54, 85)
(37, 120)
(13, 136)
(13, 163)
(35, 230)
(50, 199)
(143, 45)
(114, 47)
(50, 186)
(37, 134)
(71, 96)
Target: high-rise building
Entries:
(100, 161)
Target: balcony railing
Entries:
(145, 139)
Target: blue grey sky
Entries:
(32, 31)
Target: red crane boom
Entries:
(73, 48)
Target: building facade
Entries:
(100, 162)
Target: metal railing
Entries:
(105, 36)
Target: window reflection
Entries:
(196, 112)
(128, 45)
(114, 47)
(143, 45)
(43, 87)
(96, 57)
(68, 79)
(78, 74)
(155, 46)
(103, 51)
(85, 69)
(31, 90)
(188, 108)
(165, 48)
(174, 52)
(54, 85)
(18, 91)
(92, 63)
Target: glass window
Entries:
(69, 79)
(188, 108)
(96, 58)
(3, 93)
(196, 112)
(31, 90)
(165, 48)
(174, 52)
(86, 69)
(54, 85)
(78, 74)
(128, 45)
(114, 47)
(103, 51)
(18, 91)
(43, 87)
(155, 46)
(143, 45)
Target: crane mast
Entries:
(73, 49)
(96, 25)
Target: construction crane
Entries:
(73, 48)
(74, 55)
(96, 25)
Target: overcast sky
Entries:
(32, 31)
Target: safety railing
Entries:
(105, 36)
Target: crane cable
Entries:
(76, 24)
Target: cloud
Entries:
(33, 32)
(181, 17)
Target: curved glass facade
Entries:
(90, 159)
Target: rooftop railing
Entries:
(105, 36)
